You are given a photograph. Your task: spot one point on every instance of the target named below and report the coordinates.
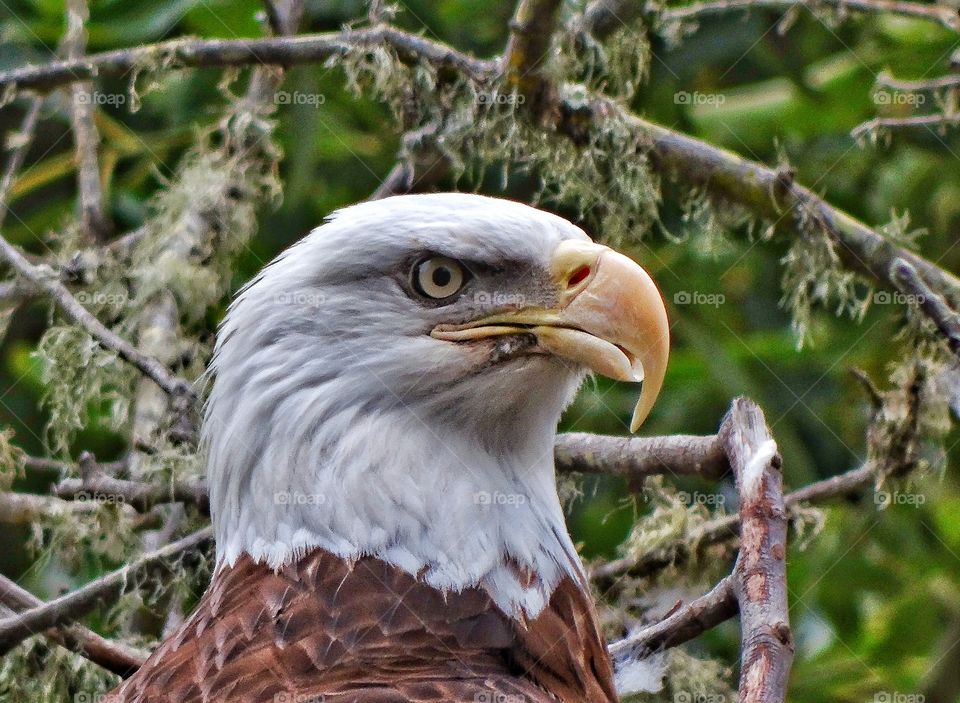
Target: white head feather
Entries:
(335, 420)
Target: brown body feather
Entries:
(323, 629)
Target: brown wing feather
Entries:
(369, 632)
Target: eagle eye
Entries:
(438, 277)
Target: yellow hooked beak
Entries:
(610, 318)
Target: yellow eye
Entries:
(439, 277)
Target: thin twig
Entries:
(76, 604)
(942, 14)
(18, 152)
(44, 280)
(682, 625)
(937, 309)
(938, 120)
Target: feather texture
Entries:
(322, 628)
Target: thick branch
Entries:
(74, 605)
(528, 52)
(766, 193)
(113, 656)
(760, 574)
(93, 217)
(635, 458)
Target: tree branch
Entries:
(760, 573)
(527, 55)
(941, 14)
(76, 604)
(635, 458)
(684, 624)
(112, 656)
(935, 307)
(19, 147)
(939, 121)
(93, 216)
(279, 51)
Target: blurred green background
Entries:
(876, 598)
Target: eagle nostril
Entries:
(578, 276)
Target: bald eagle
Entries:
(379, 439)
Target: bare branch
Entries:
(18, 152)
(93, 216)
(935, 307)
(926, 85)
(760, 574)
(74, 605)
(682, 625)
(27, 508)
(638, 457)
(942, 14)
(98, 486)
(279, 51)
(121, 659)
(44, 280)
(527, 56)
(937, 120)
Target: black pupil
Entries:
(442, 276)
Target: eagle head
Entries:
(391, 386)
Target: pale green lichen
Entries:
(38, 670)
